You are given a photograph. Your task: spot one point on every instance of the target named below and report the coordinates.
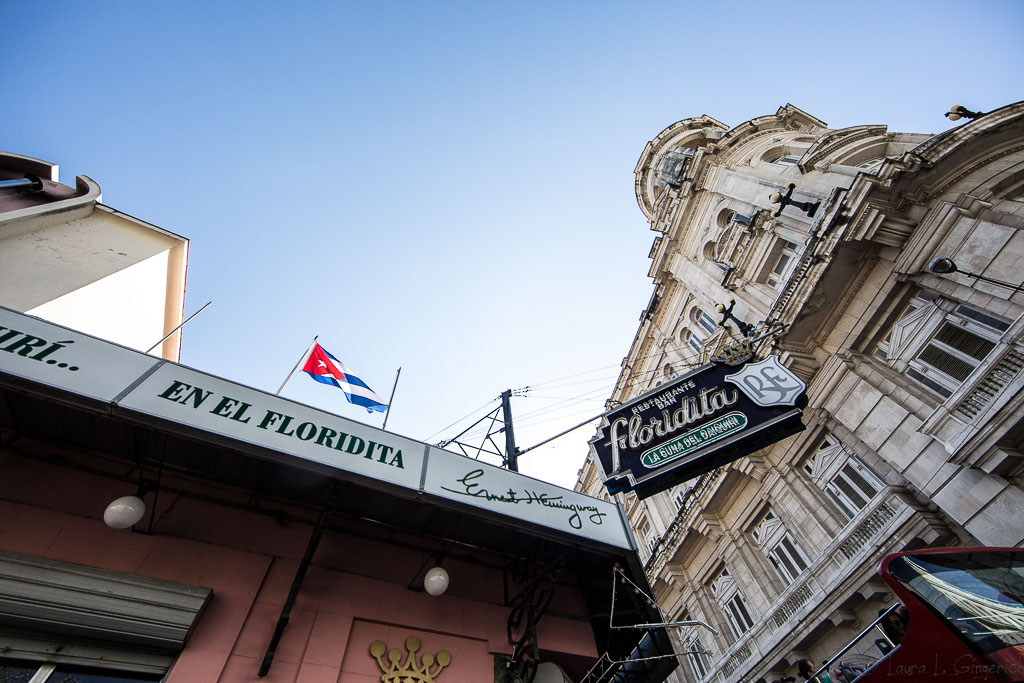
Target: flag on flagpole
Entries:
(326, 369)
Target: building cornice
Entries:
(32, 218)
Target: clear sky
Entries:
(447, 186)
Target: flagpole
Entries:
(393, 387)
(301, 359)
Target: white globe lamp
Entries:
(435, 581)
(124, 512)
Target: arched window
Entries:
(704, 320)
(784, 154)
(702, 327)
(709, 250)
(694, 340)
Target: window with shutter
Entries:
(726, 592)
(782, 550)
(739, 617)
(845, 478)
(939, 343)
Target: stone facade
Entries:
(914, 423)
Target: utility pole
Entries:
(495, 425)
(510, 439)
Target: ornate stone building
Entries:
(914, 423)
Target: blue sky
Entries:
(447, 186)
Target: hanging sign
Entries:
(700, 421)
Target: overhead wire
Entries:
(604, 391)
(588, 395)
(547, 413)
(578, 374)
(462, 419)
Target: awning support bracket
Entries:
(300, 574)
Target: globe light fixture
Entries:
(942, 266)
(959, 111)
(945, 266)
(124, 512)
(784, 200)
(435, 581)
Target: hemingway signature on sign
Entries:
(471, 487)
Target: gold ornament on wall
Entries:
(410, 671)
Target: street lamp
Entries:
(959, 111)
(744, 328)
(945, 266)
(784, 200)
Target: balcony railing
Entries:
(861, 538)
(991, 384)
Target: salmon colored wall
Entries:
(355, 592)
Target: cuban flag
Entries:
(326, 369)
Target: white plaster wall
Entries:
(43, 264)
(126, 307)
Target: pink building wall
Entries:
(355, 592)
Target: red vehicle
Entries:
(962, 618)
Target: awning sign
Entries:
(218, 406)
(700, 421)
(62, 359)
(472, 482)
(54, 359)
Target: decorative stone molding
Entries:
(683, 522)
(836, 140)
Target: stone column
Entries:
(821, 522)
(764, 583)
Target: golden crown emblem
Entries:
(735, 355)
(410, 671)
